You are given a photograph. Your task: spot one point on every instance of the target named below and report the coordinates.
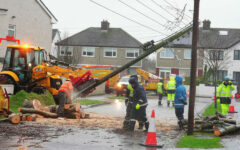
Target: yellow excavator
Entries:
(26, 67)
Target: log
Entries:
(220, 115)
(66, 106)
(226, 130)
(31, 117)
(24, 118)
(73, 115)
(14, 119)
(82, 113)
(207, 125)
(231, 121)
(34, 111)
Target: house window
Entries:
(216, 55)
(236, 55)
(62, 50)
(184, 72)
(167, 53)
(132, 53)
(69, 51)
(236, 78)
(11, 30)
(110, 52)
(88, 51)
(187, 54)
(220, 75)
(164, 73)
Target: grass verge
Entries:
(210, 110)
(90, 102)
(119, 97)
(194, 142)
(17, 100)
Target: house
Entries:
(56, 37)
(29, 21)
(101, 46)
(215, 45)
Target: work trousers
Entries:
(171, 96)
(160, 98)
(179, 113)
(61, 101)
(139, 115)
(126, 122)
(225, 108)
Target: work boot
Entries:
(146, 126)
(125, 124)
(168, 103)
(180, 124)
(173, 104)
(140, 126)
(132, 125)
(159, 103)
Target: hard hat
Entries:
(132, 80)
(134, 76)
(226, 78)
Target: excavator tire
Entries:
(6, 79)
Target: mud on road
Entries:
(100, 130)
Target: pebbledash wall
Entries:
(33, 25)
(231, 64)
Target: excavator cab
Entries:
(18, 63)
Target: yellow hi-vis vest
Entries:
(159, 88)
(225, 91)
(130, 89)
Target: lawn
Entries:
(210, 110)
(119, 97)
(17, 100)
(195, 142)
(90, 102)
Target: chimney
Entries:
(105, 25)
(206, 24)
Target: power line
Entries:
(174, 7)
(127, 17)
(176, 18)
(153, 10)
(141, 13)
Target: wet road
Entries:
(163, 113)
(75, 138)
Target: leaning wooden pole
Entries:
(193, 69)
(145, 54)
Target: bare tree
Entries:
(215, 57)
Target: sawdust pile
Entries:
(101, 121)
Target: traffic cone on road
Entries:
(151, 140)
(231, 109)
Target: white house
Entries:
(29, 21)
(224, 42)
(55, 38)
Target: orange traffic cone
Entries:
(188, 94)
(231, 109)
(151, 140)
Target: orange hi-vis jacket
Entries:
(67, 88)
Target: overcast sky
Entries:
(76, 15)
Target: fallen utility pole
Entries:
(193, 68)
(145, 54)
